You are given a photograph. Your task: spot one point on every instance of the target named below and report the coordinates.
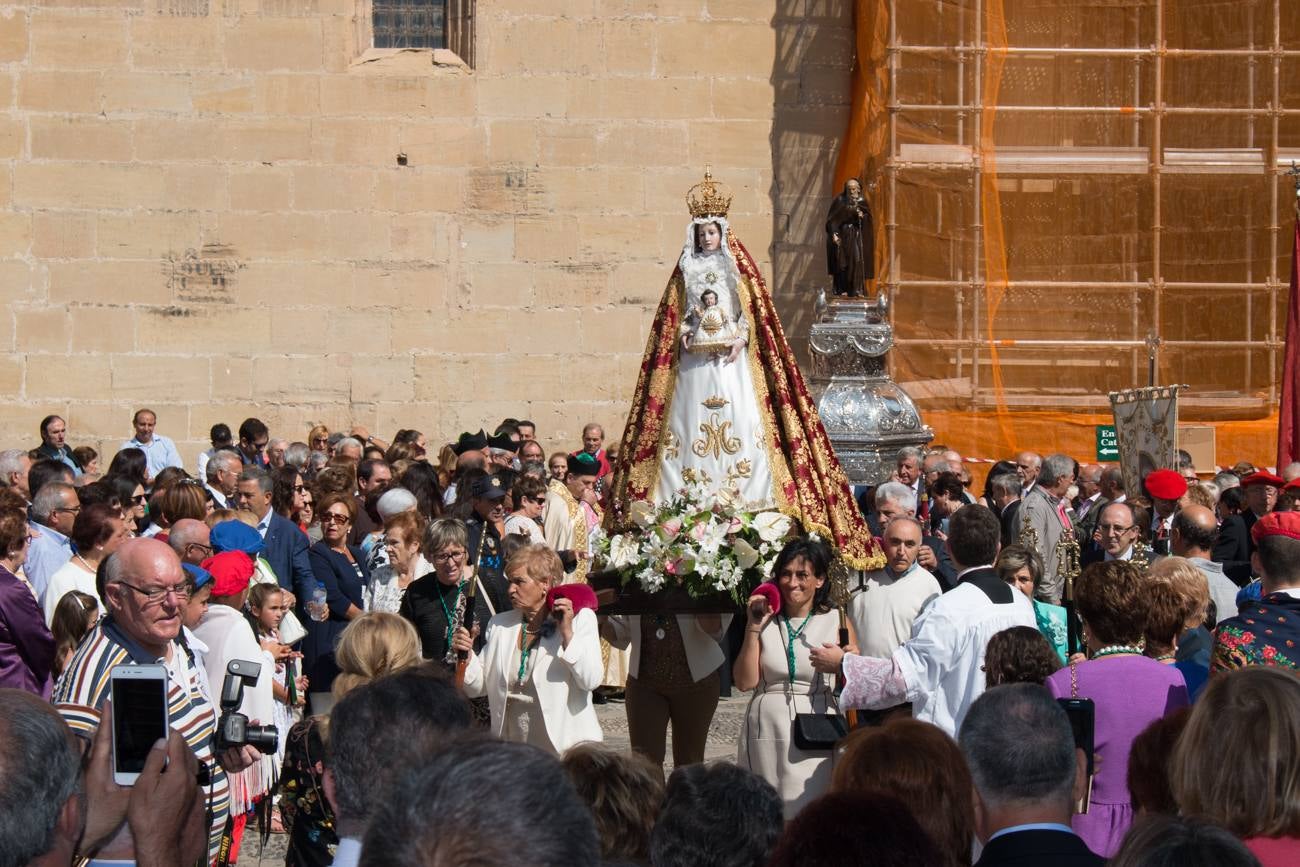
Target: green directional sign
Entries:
(1107, 443)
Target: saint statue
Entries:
(720, 398)
(850, 242)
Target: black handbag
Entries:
(818, 732)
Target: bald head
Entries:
(1027, 466)
(1193, 532)
(138, 571)
(190, 540)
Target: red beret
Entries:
(231, 572)
(1165, 485)
(1261, 478)
(1293, 485)
(580, 595)
(773, 594)
(1277, 524)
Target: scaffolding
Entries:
(1073, 193)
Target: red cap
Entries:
(1261, 478)
(1165, 485)
(1277, 524)
(1293, 485)
(580, 595)
(773, 594)
(231, 572)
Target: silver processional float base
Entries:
(867, 416)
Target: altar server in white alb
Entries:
(939, 669)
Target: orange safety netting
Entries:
(1064, 188)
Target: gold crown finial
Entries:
(708, 198)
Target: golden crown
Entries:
(708, 198)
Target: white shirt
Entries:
(1127, 555)
(218, 498)
(348, 853)
(68, 577)
(943, 661)
(885, 609)
(518, 524)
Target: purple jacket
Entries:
(26, 646)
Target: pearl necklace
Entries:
(1118, 649)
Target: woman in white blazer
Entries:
(539, 664)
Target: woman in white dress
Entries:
(774, 663)
(97, 532)
(539, 663)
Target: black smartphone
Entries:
(1083, 720)
(139, 717)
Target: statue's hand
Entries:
(686, 340)
(835, 237)
(737, 347)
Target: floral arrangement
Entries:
(703, 541)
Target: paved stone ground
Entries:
(613, 721)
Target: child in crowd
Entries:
(73, 617)
(266, 608)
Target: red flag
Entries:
(1288, 415)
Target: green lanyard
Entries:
(451, 627)
(791, 636)
(525, 648)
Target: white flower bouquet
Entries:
(703, 541)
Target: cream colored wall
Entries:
(201, 209)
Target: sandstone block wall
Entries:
(202, 207)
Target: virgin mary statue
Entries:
(721, 401)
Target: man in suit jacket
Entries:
(285, 546)
(1027, 775)
(1046, 511)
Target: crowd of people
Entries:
(1054, 669)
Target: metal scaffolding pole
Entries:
(935, 147)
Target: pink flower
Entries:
(671, 527)
(734, 525)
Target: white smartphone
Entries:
(139, 717)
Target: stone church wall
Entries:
(222, 209)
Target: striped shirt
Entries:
(85, 686)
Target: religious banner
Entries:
(1146, 422)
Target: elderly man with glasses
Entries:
(54, 511)
(1117, 532)
(144, 592)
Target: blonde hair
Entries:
(539, 563)
(1178, 596)
(1237, 763)
(374, 645)
(219, 515)
(1199, 495)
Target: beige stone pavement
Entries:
(613, 721)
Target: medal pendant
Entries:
(659, 633)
